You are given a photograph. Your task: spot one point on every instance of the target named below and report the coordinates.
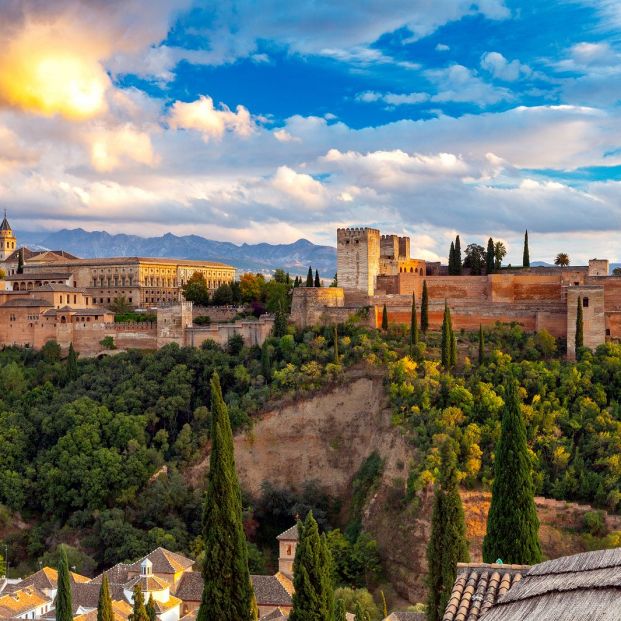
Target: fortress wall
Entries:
(593, 317)
(612, 291)
(254, 332)
(613, 324)
(309, 303)
(456, 287)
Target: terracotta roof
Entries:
(86, 595)
(581, 586)
(276, 615)
(45, 578)
(147, 583)
(26, 302)
(118, 574)
(59, 287)
(190, 587)
(269, 591)
(94, 262)
(286, 582)
(164, 562)
(478, 587)
(120, 609)
(21, 601)
(291, 534)
(164, 606)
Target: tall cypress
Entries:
(490, 257)
(317, 280)
(447, 545)
(72, 363)
(64, 604)
(424, 309)
(266, 362)
(579, 327)
(280, 322)
(453, 349)
(413, 326)
(458, 262)
(526, 256)
(20, 261)
(150, 608)
(384, 318)
(313, 597)
(512, 523)
(481, 345)
(309, 277)
(104, 605)
(227, 594)
(451, 260)
(445, 346)
(140, 612)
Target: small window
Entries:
(607, 331)
(585, 302)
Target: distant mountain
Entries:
(295, 257)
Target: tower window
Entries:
(585, 302)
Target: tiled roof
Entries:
(164, 606)
(21, 601)
(59, 287)
(86, 595)
(45, 578)
(120, 610)
(147, 584)
(118, 574)
(286, 582)
(291, 534)
(190, 587)
(191, 616)
(276, 615)
(26, 303)
(269, 591)
(581, 586)
(478, 587)
(164, 562)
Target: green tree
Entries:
(413, 326)
(512, 523)
(453, 351)
(227, 593)
(490, 257)
(280, 323)
(526, 254)
(424, 309)
(361, 614)
(104, 605)
(313, 598)
(63, 595)
(339, 611)
(447, 545)
(139, 612)
(475, 258)
(317, 279)
(309, 277)
(579, 327)
(384, 318)
(335, 280)
(458, 261)
(72, 364)
(445, 344)
(266, 362)
(196, 290)
(20, 261)
(358, 598)
(481, 345)
(335, 337)
(451, 260)
(150, 608)
(562, 259)
(500, 252)
(223, 295)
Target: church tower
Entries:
(8, 243)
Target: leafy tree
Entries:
(150, 608)
(616, 271)
(266, 362)
(500, 252)
(196, 290)
(384, 318)
(458, 262)
(63, 595)
(313, 598)
(317, 280)
(104, 605)
(309, 278)
(227, 593)
(335, 281)
(490, 257)
(280, 323)
(50, 352)
(139, 612)
(526, 254)
(107, 342)
(447, 545)
(424, 309)
(562, 259)
(251, 287)
(72, 364)
(361, 599)
(481, 345)
(512, 523)
(475, 258)
(413, 326)
(223, 295)
(277, 294)
(281, 277)
(579, 342)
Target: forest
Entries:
(94, 456)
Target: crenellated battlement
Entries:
(356, 232)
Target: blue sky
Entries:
(265, 120)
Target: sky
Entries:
(271, 120)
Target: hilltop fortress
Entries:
(376, 270)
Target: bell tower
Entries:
(8, 243)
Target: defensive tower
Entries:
(358, 259)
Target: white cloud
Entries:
(442, 47)
(201, 115)
(458, 83)
(112, 147)
(299, 188)
(501, 68)
(392, 99)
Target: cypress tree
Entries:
(140, 612)
(313, 598)
(266, 363)
(339, 611)
(490, 257)
(445, 348)
(458, 262)
(413, 326)
(227, 594)
(451, 260)
(63, 595)
(526, 256)
(512, 523)
(447, 545)
(20, 261)
(309, 277)
(336, 345)
(579, 327)
(317, 281)
(104, 605)
(72, 363)
(150, 608)
(481, 345)
(384, 318)
(424, 309)
(280, 322)
(453, 350)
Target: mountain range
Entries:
(295, 257)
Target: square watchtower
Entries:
(358, 259)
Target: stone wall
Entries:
(216, 313)
(358, 258)
(253, 331)
(592, 301)
(309, 304)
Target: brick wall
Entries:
(592, 298)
